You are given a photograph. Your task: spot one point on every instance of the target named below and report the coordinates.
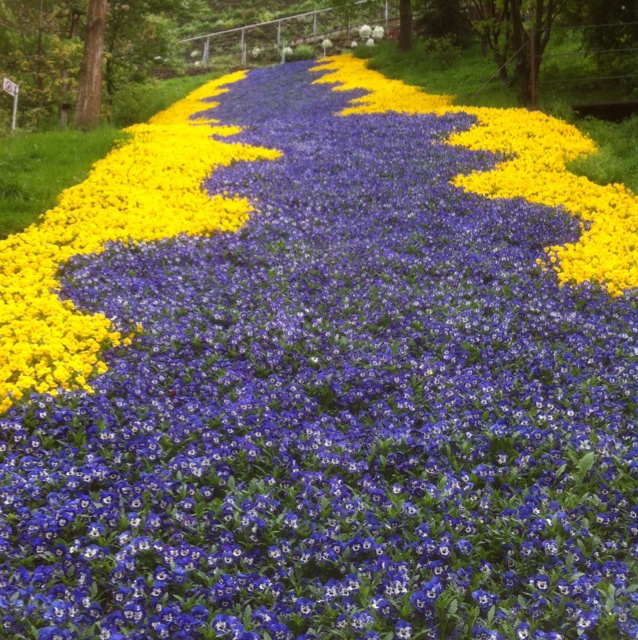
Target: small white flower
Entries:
(354, 44)
(256, 52)
(327, 43)
(196, 54)
(370, 42)
(378, 33)
(365, 32)
(287, 51)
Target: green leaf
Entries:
(248, 617)
(453, 606)
(586, 463)
(490, 614)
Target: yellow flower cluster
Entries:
(147, 189)
(350, 74)
(538, 147)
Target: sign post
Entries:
(12, 89)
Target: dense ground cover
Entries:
(466, 74)
(369, 413)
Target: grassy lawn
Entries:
(35, 168)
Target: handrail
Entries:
(262, 24)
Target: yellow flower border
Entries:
(147, 189)
(539, 147)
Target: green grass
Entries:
(617, 158)
(36, 167)
(460, 73)
(136, 103)
(466, 74)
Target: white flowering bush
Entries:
(256, 52)
(327, 43)
(378, 33)
(365, 32)
(370, 42)
(354, 44)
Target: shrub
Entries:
(444, 50)
(304, 52)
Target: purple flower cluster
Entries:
(368, 414)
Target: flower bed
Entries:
(369, 413)
(145, 190)
(538, 146)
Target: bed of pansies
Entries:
(372, 412)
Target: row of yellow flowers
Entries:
(147, 189)
(539, 147)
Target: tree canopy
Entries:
(42, 41)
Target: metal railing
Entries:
(243, 32)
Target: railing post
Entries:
(279, 33)
(387, 15)
(243, 38)
(314, 26)
(206, 55)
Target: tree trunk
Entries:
(520, 41)
(500, 60)
(89, 105)
(65, 106)
(405, 25)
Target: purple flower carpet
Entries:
(367, 414)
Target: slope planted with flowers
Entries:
(368, 413)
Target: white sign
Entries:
(10, 87)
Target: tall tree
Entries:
(405, 25)
(515, 28)
(443, 19)
(609, 33)
(35, 45)
(89, 105)
(532, 23)
(490, 19)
